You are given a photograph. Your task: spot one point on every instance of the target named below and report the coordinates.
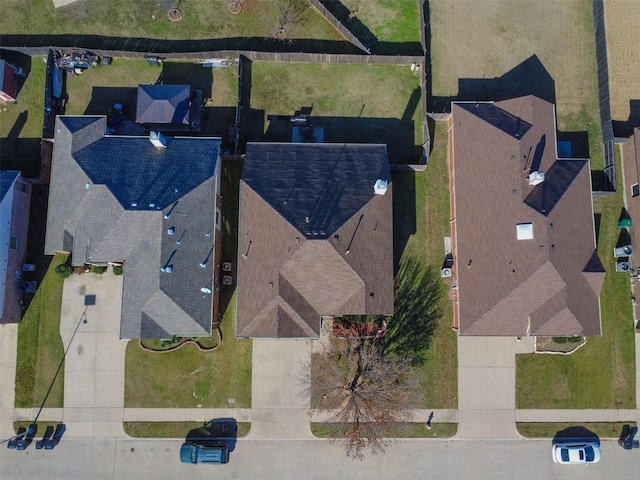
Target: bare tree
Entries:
(290, 12)
(368, 395)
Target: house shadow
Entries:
(397, 134)
(215, 431)
(192, 74)
(404, 213)
(624, 129)
(575, 434)
(528, 78)
(103, 99)
(18, 153)
(216, 122)
(230, 190)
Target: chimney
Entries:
(536, 178)
(158, 140)
(380, 187)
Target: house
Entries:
(15, 198)
(169, 108)
(630, 180)
(315, 237)
(148, 203)
(522, 224)
(8, 82)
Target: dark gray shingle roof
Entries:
(94, 179)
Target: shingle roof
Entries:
(163, 104)
(314, 238)
(7, 177)
(107, 202)
(546, 286)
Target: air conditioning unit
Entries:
(624, 251)
(446, 273)
(623, 267)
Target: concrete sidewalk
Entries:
(8, 355)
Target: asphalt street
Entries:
(452, 459)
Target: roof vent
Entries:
(158, 140)
(380, 187)
(167, 269)
(536, 178)
(87, 185)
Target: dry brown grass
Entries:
(622, 18)
(485, 39)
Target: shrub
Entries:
(567, 339)
(98, 270)
(117, 269)
(63, 270)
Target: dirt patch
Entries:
(622, 18)
(472, 39)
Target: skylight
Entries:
(524, 231)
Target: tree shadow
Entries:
(625, 128)
(418, 295)
(528, 78)
(214, 431)
(575, 434)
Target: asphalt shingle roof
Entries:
(163, 104)
(108, 200)
(314, 238)
(549, 285)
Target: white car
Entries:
(574, 453)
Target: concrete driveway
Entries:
(486, 387)
(94, 365)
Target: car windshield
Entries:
(588, 451)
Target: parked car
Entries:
(191, 452)
(573, 453)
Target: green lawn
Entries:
(387, 20)
(171, 429)
(21, 122)
(602, 373)
(148, 19)
(40, 350)
(188, 377)
(407, 430)
(549, 430)
(354, 103)
(423, 228)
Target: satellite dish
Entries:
(205, 290)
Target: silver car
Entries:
(574, 453)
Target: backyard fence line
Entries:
(338, 25)
(291, 57)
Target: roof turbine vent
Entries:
(536, 178)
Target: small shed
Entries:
(8, 82)
(163, 104)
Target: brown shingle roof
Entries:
(293, 270)
(545, 286)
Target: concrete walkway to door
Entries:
(486, 387)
